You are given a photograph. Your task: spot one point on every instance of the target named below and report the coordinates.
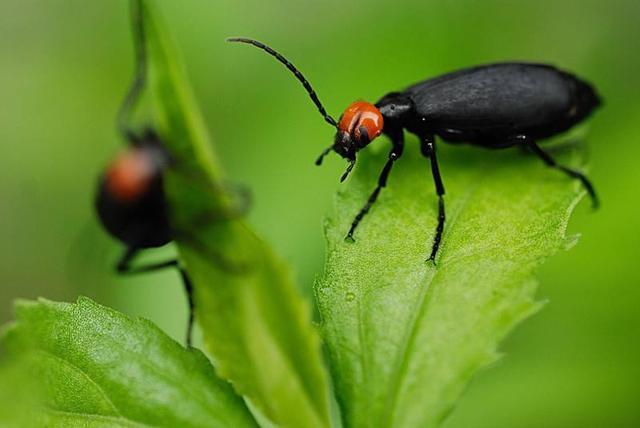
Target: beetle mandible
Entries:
(493, 106)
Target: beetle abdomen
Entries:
(503, 99)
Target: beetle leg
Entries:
(394, 155)
(124, 267)
(240, 203)
(139, 80)
(428, 149)
(546, 158)
(238, 195)
(241, 199)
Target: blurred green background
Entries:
(64, 66)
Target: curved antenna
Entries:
(140, 75)
(331, 121)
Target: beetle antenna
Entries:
(323, 154)
(140, 76)
(331, 121)
(352, 162)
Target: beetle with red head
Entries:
(491, 106)
(131, 203)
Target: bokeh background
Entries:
(64, 66)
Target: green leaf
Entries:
(97, 367)
(405, 337)
(256, 326)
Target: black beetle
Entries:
(493, 106)
(130, 200)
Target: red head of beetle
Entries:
(130, 175)
(360, 123)
(135, 172)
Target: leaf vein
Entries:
(86, 376)
(422, 304)
(95, 417)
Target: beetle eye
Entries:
(362, 135)
(342, 139)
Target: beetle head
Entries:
(360, 123)
(133, 173)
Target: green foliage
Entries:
(96, 367)
(405, 336)
(255, 325)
